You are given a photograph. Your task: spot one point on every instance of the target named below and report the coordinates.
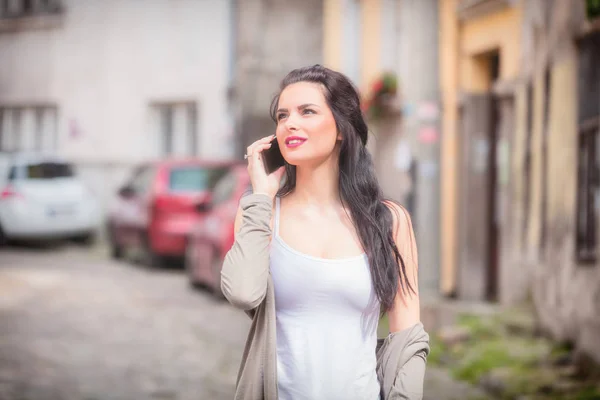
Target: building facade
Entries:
(480, 51)
(558, 180)
(521, 155)
(108, 84)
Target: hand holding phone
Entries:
(272, 157)
(265, 166)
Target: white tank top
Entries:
(327, 315)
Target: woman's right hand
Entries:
(261, 182)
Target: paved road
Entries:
(76, 325)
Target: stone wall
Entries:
(566, 293)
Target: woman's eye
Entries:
(280, 116)
(308, 111)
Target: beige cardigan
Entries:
(247, 284)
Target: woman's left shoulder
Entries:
(400, 215)
(403, 233)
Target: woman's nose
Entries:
(290, 124)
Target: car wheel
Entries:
(86, 239)
(150, 257)
(116, 251)
(3, 238)
(189, 263)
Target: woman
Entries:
(316, 260)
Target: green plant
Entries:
(437, 350)
(377, 103)
(478, 326)
(589, 393)
(592, 8)
(482, 359)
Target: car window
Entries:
(195, 178)
(44, 170)
(225, 188)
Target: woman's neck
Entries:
(318, 185)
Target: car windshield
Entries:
(195, 178)
(43, 170)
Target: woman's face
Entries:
(306, 130)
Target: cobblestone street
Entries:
(75, 325)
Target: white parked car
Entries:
(42, 198)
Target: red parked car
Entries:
(158, 206)
(212, 238)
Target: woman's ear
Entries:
(339, 136)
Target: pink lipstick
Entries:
(294, 141)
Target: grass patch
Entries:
(437, 350)
(505, 356)
(482, 328)
(590, 393)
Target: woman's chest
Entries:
(303, 282)
(328, 238)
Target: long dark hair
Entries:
(358, 186)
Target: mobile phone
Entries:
(272, 157)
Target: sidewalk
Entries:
(439, 385)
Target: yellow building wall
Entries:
(517, 160)
(370, 38)
(332, 33)
(498, 31)
(371, 42)
(464, 68)
(561, 151)
(563, 143)
(449, 81)
(535, 186)
(565, 291)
